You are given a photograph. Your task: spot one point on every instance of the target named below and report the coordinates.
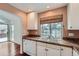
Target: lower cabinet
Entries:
(41, 50)
(34, 48)
(66, 51)
(29, 47)
(44, 49)
(53, 50)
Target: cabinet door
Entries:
(30, 47)
(73, 16)
(53, 50)
(66, 51)
(24, 45)
(32, 20)
(41, 49)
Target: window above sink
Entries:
(52, 30)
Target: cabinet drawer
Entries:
(41, 44)
(53, 46)
(66, 48)
(66, 51)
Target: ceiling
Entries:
(37, 7)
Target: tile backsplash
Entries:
(71, 34)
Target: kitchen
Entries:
(53, 42)
(44, 29)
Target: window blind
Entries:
(51, 19)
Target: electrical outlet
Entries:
(71, 34)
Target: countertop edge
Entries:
(66, 45)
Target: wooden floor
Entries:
(24, 54)
(10, 49)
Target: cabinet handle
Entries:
(63, 25)
(70, 26)
(46, 49)
(61, 49)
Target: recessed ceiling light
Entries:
(48, 7)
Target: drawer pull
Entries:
(61, 49)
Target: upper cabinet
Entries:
(73, 16)
(32, 23)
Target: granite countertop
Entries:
(56, 42)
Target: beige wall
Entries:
(58, 11)
(23, 15)
(18, 12)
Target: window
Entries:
(56, 30)
(45, 30)
(52, 30)
(3, 32)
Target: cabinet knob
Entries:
(46, 49)
(70, 26)
(61, 49)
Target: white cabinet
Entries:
(34, 48)
(44, 49)
(73, 16)
(32, 21)
(66, 51)
(53, 50)
(41, 49)
(24, 45)
(29, 47)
